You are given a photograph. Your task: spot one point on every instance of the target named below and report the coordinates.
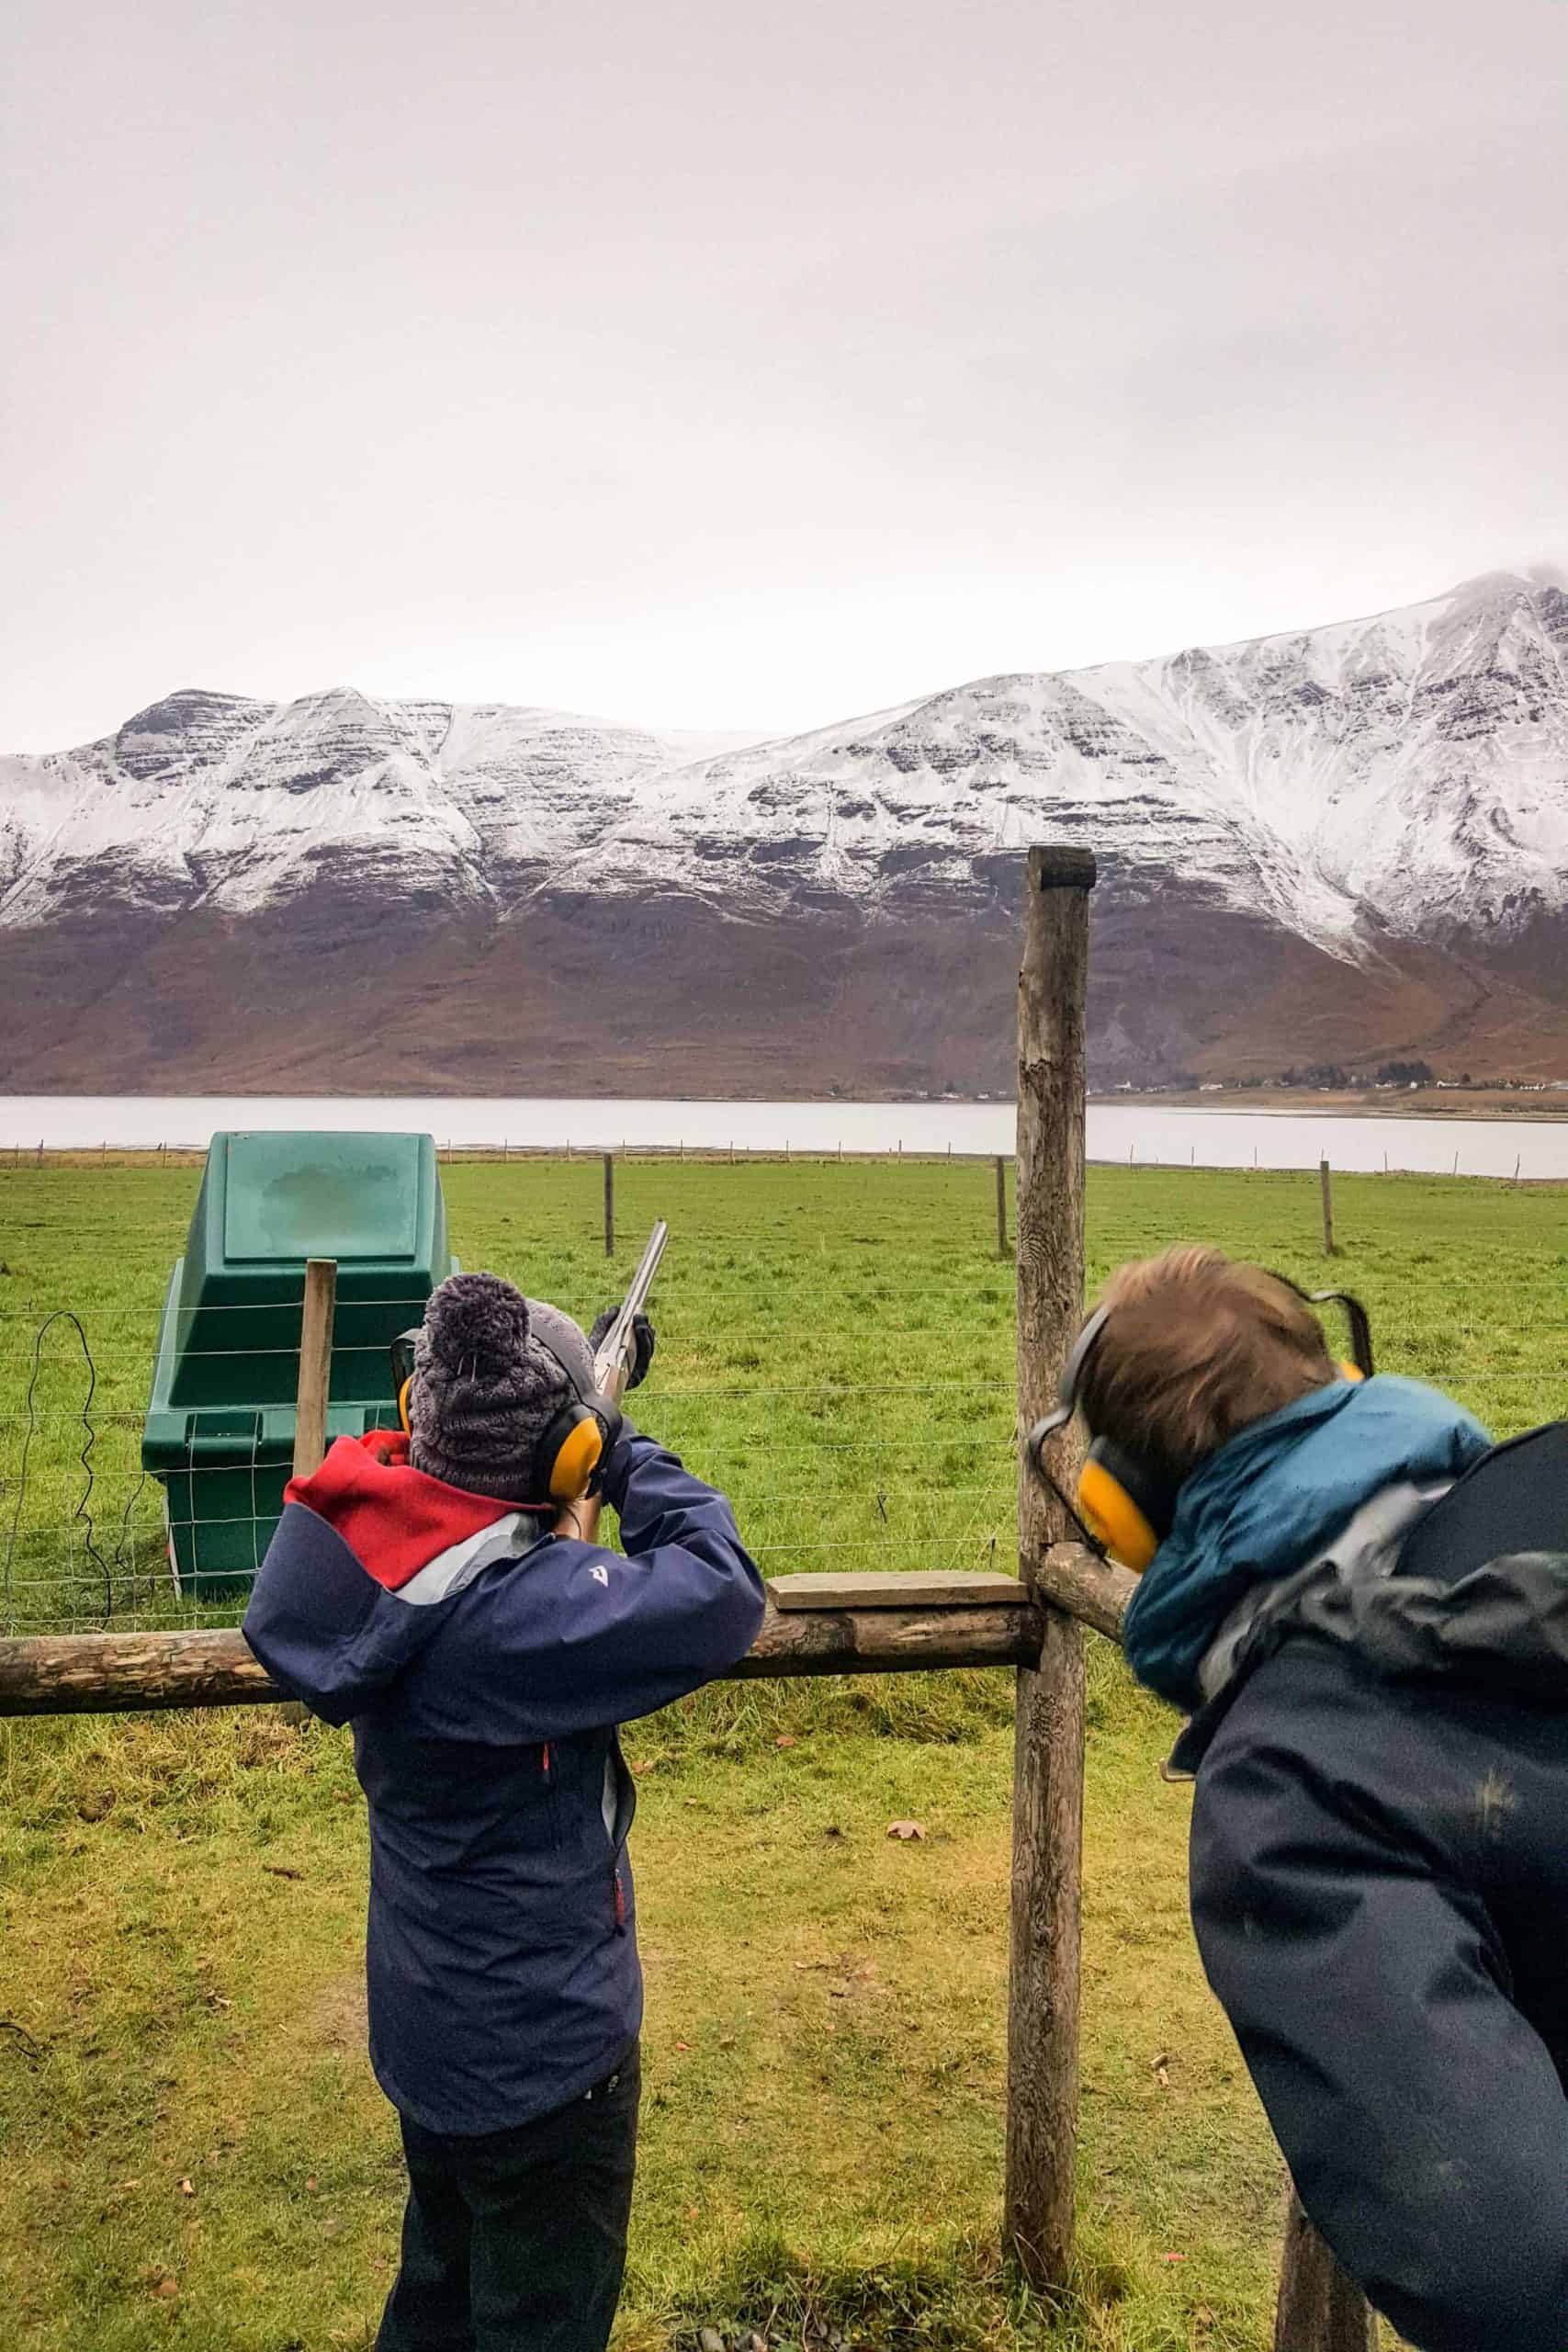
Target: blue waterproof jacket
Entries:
(1282, 1487)
(484, 1670)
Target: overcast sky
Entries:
(739, 365)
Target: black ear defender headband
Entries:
(576, 1440)
(1127, 1505)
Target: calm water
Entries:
(1143, 1132)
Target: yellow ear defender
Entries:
(1129, 1528)
(574, 1444)
(1125, 1505)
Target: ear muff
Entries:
(581, 1437)
(1127, 1507)
(571, 1452)
(1123, 1506)
(403, 1421)
(1351, 1371)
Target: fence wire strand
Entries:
(874, 1423)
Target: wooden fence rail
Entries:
(53, 1674)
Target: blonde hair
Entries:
(1196, 1346)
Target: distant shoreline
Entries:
(1397, 1102)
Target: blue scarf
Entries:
(1278, 1493)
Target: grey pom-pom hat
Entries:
(492, 1370)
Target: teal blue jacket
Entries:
(1267, 1502)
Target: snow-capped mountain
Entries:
(1336, 844)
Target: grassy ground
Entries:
(192, 2151)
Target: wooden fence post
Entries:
(1318, 2309)
(609, 1204)
(1047, 1821)
(1326, 1185)
(316, 1320)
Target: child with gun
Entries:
(436, 1589)
(1362, 1604)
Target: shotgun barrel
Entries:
(613, 1360)
(617, 1352)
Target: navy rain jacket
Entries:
(484, 1672)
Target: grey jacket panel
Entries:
(1501, 1627)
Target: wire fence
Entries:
(835, 1349)
(805, 1363)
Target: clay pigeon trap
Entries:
(220, 1422)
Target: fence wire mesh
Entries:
(836, 1343)
(835, 1349)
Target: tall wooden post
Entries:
(1002, 1249)
(315, 1365)
(1047, 1826)
(316, 1320)
(1326, 1185)
(609, 1204)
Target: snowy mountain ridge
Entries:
(1392, 772)
(1384, 799)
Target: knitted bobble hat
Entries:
(485, 1389)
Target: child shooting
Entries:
(434, 1588)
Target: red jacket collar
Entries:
(394, 1518)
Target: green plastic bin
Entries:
(219, 1429)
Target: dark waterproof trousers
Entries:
(517, 2240)
(1380, 1890)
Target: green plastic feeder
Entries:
(219, 1429)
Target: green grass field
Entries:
(192, 2150)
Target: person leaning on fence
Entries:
(1363, 1605)
(416, 1588)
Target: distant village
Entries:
(1330, 1078)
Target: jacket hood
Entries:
(1275, 1495)
(363, 1548)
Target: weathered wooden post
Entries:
(609, 1204)
(1047, 1822)
(1326, 1185)
(1002, 1249)
(1318, 2309)
(316, 1320)
(315, 1365)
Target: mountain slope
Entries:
(1345, 843)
